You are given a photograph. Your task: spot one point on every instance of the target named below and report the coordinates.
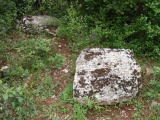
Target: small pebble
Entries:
(65, 70)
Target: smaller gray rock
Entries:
(155, 104)
(3, 70)
(35, 24)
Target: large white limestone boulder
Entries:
(106, 76)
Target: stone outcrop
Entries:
(35, 24)
(106, 76)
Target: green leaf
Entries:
(19, 89)
(20, 99)
(0, 82)
(5, 96)
(14, 104)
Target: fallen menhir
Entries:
(106, 76)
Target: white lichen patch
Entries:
(106, 76)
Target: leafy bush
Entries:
(118, 24)
(56, 8)
(8, 14)
(16, 102)
(74, 27)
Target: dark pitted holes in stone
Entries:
(99, 64)
(138, 79)
(127, 84)
(91, 93)
(100, 72)
(91, 55)
(84, 92)
(115, 65)
(98, 84)
(76, 93)
(114, 78)
(82, 82)
(109, 50)
(134, 72)
(106, 63)
(112, 86)
(138, 73)
(117, 50)
(115, 89)
(83, 72)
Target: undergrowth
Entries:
(22, 83)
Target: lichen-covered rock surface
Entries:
(106, 76)
(34, 24)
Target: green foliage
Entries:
(38, 54)
(7, 15)
(92, 105)
(138, 112)
(10, 10)
(50, 7)
(80, 111)
(27, 61)
(156, 113)
(13, 100)
(109, 23)
(74, 27)
(67, 95)
(46, 89)
(58, 60)
(154, 91)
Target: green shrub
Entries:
(8, 14)
(15, 102)
(117, 24)
(74, 27)
(55, 8)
